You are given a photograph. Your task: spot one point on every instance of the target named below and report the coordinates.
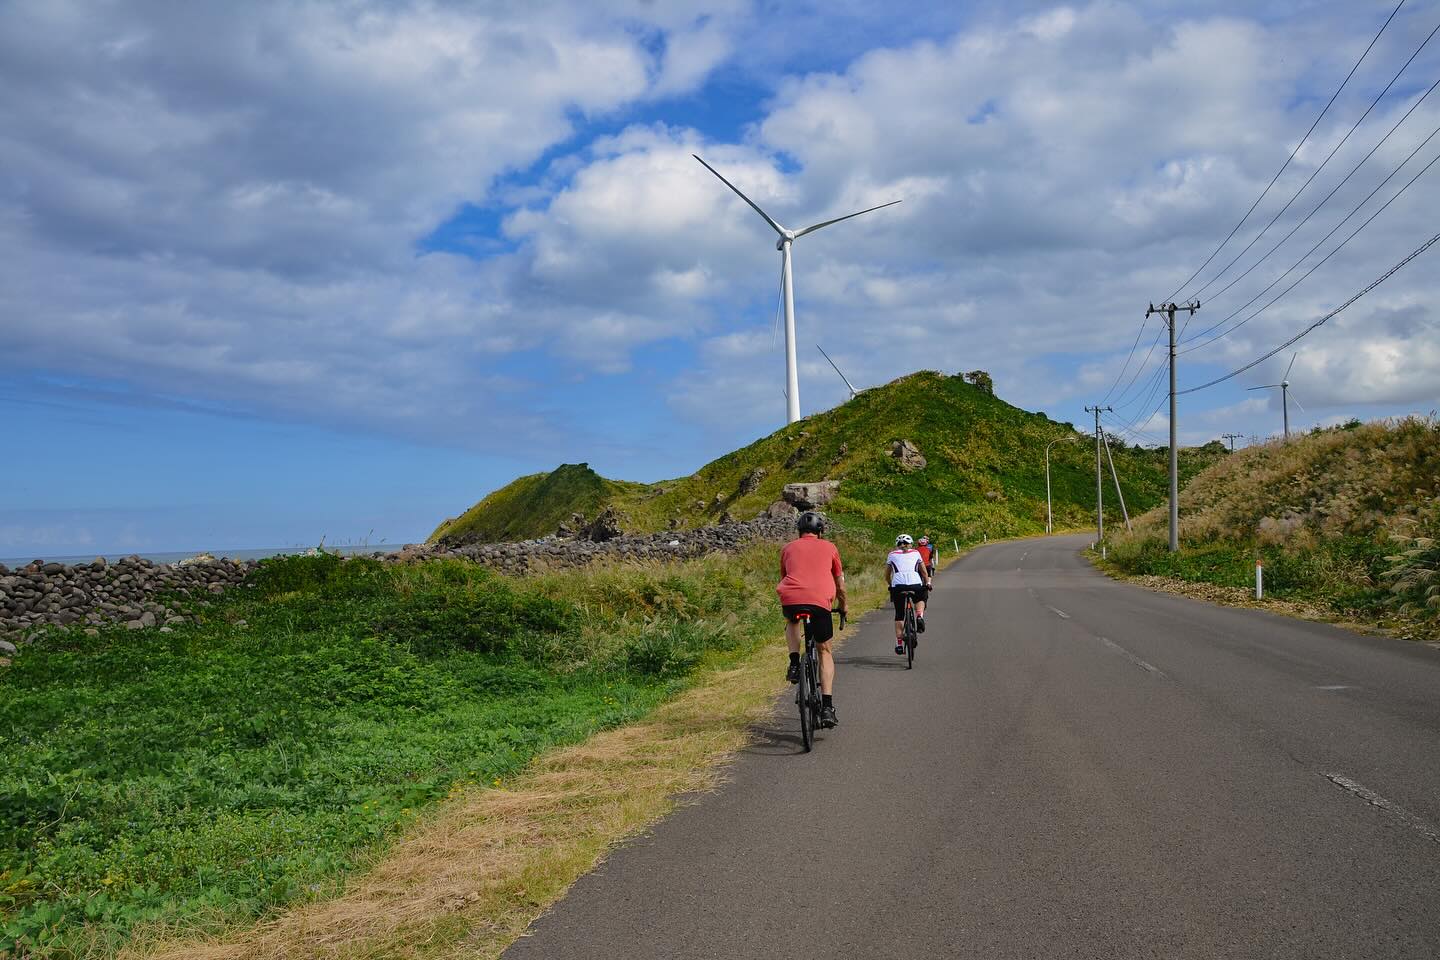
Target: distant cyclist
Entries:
(811, 578)
(906, 572)
(930, 554)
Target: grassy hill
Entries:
(1347, 517)
(985, 473)
(530, 505)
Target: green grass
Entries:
(214, 774)
(985, 477)
(1345, 518)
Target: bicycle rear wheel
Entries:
(807, 719)
(911, 631)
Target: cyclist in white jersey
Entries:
(905, 568)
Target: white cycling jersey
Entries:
(905, 568)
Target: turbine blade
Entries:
(848, 384)
(1263, 386)
(816, 226)
(1297, 401)
(1289, 368)
(753, 205)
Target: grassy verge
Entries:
(187, 784)
(1346, 522)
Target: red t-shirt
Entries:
(924, 549)
(808, 568)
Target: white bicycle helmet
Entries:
(904, 540)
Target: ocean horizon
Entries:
(173, 556)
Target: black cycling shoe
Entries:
(828, 720)
(920, 624)
(792, 672)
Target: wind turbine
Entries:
(850, 386)
(1284, 386)
(787, 237)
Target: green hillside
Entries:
(984, 476)
(534, 505)
(1345, 517)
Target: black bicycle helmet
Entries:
(810, 522)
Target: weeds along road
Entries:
(1075, 768)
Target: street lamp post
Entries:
(1049, 516)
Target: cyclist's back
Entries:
(811, 578)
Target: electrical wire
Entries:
(1316, 172)
(1319, 263)
(1316, 209)
(1138, 334)
(1288, 159)
(1313, 326)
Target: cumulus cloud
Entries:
(228, 201)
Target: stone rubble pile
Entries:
(560, 553)
(132, 591)
(142, 594)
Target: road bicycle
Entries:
(807, 691)
(910, 632)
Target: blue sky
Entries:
(272, 272)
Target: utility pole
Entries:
(1232, 437)
(1116, 477)
(1099, 481)
(1168, 311)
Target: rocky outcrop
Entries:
(909, 455)
(751, 481)
(780, 509)
(808, 496)
(605, 527)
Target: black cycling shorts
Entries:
(822, 625)
(916, 591)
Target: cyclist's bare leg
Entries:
(794, 634)
(827, 667)
(920, 609)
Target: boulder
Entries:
(909, 455)
(808, 496)
(604, 527)
(751, 481)
(780, 509)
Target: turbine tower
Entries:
(848, 385)
(1284, 386)
(787, 237)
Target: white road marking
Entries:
(1336, 686)
(1389, 806)
(1142, 664)
(1059, 613)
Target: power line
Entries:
(1140, 369)
(1286, 164)
(1316, 209)
(1333, 313)
(1316, 172)
(1138, 334)
(1319, 263)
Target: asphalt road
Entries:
(1074, 768)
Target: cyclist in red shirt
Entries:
(811, 577)
(929, 554)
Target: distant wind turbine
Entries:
(787, 237)
(850, 386)
(1284, 386)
